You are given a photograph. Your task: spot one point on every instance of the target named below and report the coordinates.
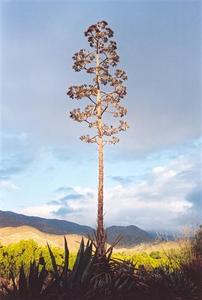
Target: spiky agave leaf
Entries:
(33, 275)
(66, 262)
(87, 273)
(77, 265)
(54, 264)
(41, 278)
(36, 279)
(87, 262)
(13, 291)
(82, 267)
(13, 282)
(23, 288)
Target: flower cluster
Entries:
(123, 126)
(120, 111)
(107, 88)
(114, 140)
(120, 90)
(98, 32)
(81, 59)
(115, 96)
(88, 139)
(107, 78)
(121, 74)
(80, 116)
(80, 91)
(110, 53)
(109, 130)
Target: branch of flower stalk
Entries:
(92, 100)
(88, 139)
(104, 110)
(114, 140)
(90, 53)
(87, 122)
(104, 60)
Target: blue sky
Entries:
(153, 176)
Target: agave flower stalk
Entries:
(104, 95)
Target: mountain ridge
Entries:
(130, 235)
(54, 226)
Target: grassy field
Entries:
(30, 270)
(10, 235)
(25, 244)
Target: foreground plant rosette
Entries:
(102, 278)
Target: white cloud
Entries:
(157, 202)
(158, 170)
(8, 185)
(43, 211)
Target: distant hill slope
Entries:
(10, 235)
(53, 226)
(131, 235)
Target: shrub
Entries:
(155, 254)
(197, 243)
(104, 278)
(23, 253)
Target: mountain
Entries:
(165, 235)
(131, 235)
(53, 226)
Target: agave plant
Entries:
(27, 287)
(103, 278)
(110, 278)
(197, 243)
(93, 276)
(72, 283)
(165, 283)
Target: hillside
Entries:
(131, 235)
(10, 235)
(53, 226)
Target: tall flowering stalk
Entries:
(104, 95)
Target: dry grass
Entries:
(10, 235)
(156, 246)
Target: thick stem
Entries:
(100, 222)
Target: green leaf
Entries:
(53, 262)
(77, 265)
(22, 282)
(66, 263)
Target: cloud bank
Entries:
(169, 198)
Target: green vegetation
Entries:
(32, 272)
(171, 258)
(24, 252)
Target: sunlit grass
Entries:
(149, 255)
